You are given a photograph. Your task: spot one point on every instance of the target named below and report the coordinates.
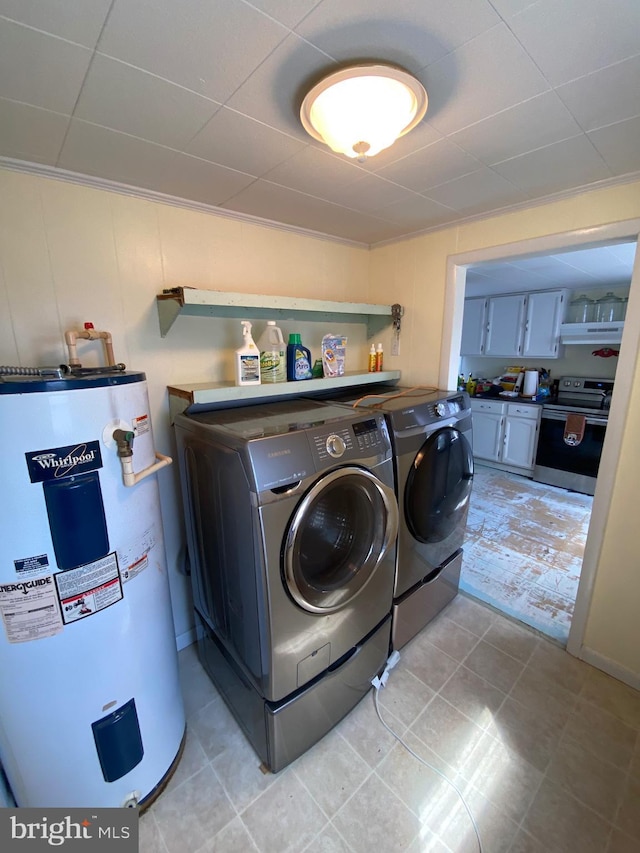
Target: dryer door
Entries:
(438, 487)
(337, 536)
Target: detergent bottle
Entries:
(273, 354)
(247, 359)
(298, 359)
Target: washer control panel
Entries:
(351, 441)
(336, 446)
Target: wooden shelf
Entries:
(191, 302)
(217, 395)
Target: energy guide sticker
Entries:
(30, 609)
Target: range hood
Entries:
(591, 333)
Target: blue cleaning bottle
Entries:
(298, 359)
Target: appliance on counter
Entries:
(90, 698)
(291, 521)
(572, 431)
(431, 434)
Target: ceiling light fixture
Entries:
(360, 111)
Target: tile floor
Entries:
(524, 547)
(545, 748)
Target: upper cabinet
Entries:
(474, 326)
(505, 325)
(545, 313)
(524, 325)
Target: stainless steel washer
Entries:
(291, 522)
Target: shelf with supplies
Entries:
(193, 302)
(211, 395)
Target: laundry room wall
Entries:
(71, 253)
(415, 271)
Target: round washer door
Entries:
(337, 536)
(438, 486)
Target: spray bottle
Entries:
(247, 362)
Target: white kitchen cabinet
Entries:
(488, 428)
(474, 326)
(521, 435)
(505, 435)
(505, 325)
(545, 313)
(525, 325)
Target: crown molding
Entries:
(44, 171)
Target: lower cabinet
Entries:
(506, 434)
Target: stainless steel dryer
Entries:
(291, 523)
(432, 437)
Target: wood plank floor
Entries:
(523, 549)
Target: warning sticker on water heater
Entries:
(30, 610)
(89, 588)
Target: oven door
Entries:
(569, 466)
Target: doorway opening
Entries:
(541, 541)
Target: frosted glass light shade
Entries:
(362, 110)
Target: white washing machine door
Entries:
(337, 536)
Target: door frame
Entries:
(457, 264)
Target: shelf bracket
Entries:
(396, 316)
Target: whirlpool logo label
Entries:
(101, 830)
(57, 462)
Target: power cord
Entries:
(378, 683)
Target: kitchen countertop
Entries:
(518, 399)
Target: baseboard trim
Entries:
(610, 667)
(186, 639)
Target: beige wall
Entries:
(416, 270)
(70, 253)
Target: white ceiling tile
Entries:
(478, 191)
(574, 37)
(490, 73)
(619, 145)
(312, 171)
(557, 167)
(532, 124)
(274, 92)
(210, 48)
(411, 33)
(419, 137)
(507, 8)
(192, 178)
(126, 159)
(602, 266)
(288, 12)
(593, 262)
(606, 96)
(231, 139)
(41, 70)
(371, 193)
(29, 133)
(108, 154)
(437, 163)
(624, 252)
(76, 20)
(417, 212)
(281, 204)
(118, 96)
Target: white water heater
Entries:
(91, 712)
